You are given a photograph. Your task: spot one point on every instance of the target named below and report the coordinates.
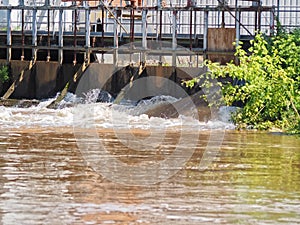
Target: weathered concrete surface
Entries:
(187, 73)
(97, 76)
(160, 71)
(66, 73)
(26, 88)
(163, 80)
(45, 79)
(192, 106)
(42, 81)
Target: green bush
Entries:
(270, 93)
(4, 74)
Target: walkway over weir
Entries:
(80, 32)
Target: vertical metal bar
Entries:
(272, 21)
(278, 10)
(156, 23)
(174, 41)
(115, 30)
(144, 28)
(102, 20)
(191, 29)
(195, 27)
(22, 31)
(75, 37)
(116, 43)
(236, 9)
(87, 33)
(160, 24)
(255, 18)
(174, 33)
(48, 35)
(34, 34)
(121, 20)
(8, 41)
(159, 27)
(144, 33)
(60, 37)
(205, 35)
(132, 24)
(53, 23)
(259, 16)
(237, 26)
(223, 18)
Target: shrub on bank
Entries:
(270, 78)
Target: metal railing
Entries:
(170, 22)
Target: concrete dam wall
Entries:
(45, 79)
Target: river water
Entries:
(148, 171)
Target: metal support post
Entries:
(132, 24)
(60, 37)
(75, 36)
(87, 33)
(191, 29)
(195, 27)
(23, 35)
(205, 36)
(8, 41)
(272, 21)
(278, 10)
(174, 41)
(116, 43)
(237, 27)
(259, 16)
(34, 34)
(48, 33)
(102, 20)
(21, 3)
(144, 34)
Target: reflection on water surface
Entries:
(255, 178)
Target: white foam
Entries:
(104, 115)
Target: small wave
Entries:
(105, 114)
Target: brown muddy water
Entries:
(45, 178)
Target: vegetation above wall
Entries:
(266, 82)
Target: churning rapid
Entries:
(97, 106)
(56, 168)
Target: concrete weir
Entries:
(114, 79)
(41, 80)
(45, 79)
